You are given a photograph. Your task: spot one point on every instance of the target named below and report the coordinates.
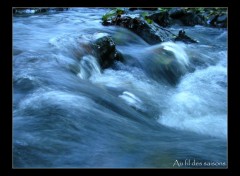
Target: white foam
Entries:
(178, 50)
(98, 35)
(89, 66)
(132, 100)
(199, 103)
(30, 11)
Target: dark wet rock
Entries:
(187, 17)
(213, 17)
(106, 23)
(222, 21)
(161, 19)
(151, 9)
(43, 10)
(192, 19)
(60, 9)
(219, 20)
(132, 9)
(177, 12)
(99, 46)
(151, 33)
(105, 50)
(184, 38)
(213, 20)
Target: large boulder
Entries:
(161, 18)
(105, 50)
(191, 19)
(166, 62)
(222, 21)
(151, 33)
(177, 12)
(187, 17)
(219, 20)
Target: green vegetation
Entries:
(209, 11)
(163, 9)
(113, 13)
(145, 16)
(204, 13)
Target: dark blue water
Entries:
(68, 112)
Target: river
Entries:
(69, 113)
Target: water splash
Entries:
(89, 66)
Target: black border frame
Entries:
(6, 114)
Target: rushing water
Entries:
(67, 112)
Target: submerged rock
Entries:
(166, 62)
(151, 33)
